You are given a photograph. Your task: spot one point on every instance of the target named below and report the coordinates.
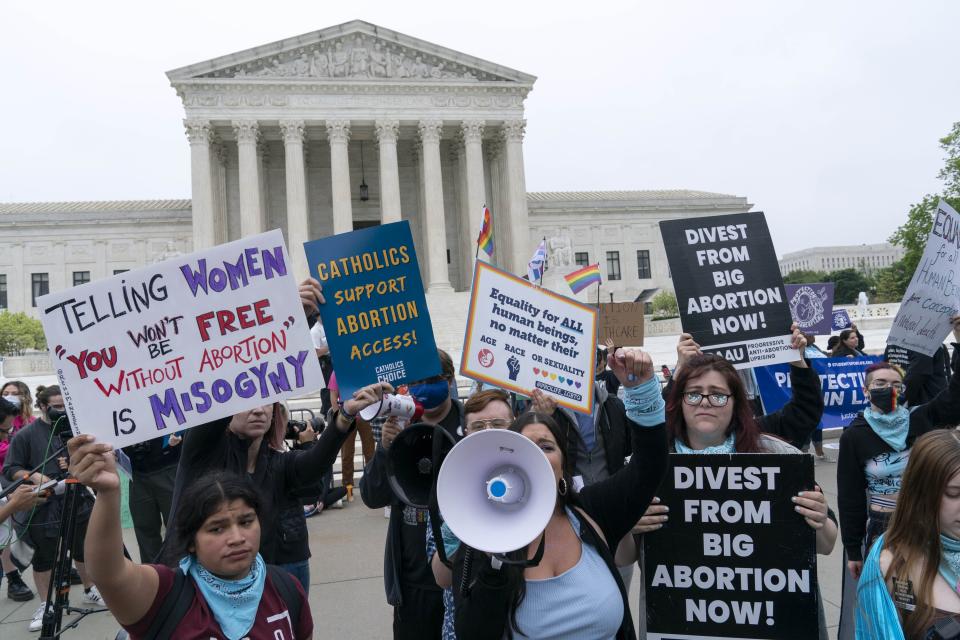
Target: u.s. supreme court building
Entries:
(343, 128)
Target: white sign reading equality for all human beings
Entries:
(520, 337)
(933, 296)
(176, 344)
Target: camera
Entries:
(60, 422)
(294, 427)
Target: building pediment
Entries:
(353, 52)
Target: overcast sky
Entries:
(825, 115)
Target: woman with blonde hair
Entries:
(910, 586)
(18, 394)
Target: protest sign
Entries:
(520, 337)
(933, 296)
(375, 316)
(729, 287)
(842, 380)
(182, 342)
(811, 306)
(621, 322)
(734, 560)
(841, 320)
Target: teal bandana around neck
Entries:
(891, 427)
(949, 567)
(727, 446)
(234, 603)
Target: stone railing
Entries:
(32, 364)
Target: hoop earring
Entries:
(562, 486)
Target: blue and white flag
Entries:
(538, 263)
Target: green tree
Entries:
(665, 305)
(847, 285)
(19, 332)
(912, 235)
(804, 276)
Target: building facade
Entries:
(344, 128)
(865, 258)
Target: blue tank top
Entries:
(583, 602)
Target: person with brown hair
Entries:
(18, 393)
(911, 580)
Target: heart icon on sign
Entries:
(553, 376)
(544, 374)
(560, 379)
(569, 382)
(578, 384)
(536, 370)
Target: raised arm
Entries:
(129, 589)
(944, 409)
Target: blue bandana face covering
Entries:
(234, 603)
(727, 446)
(891, 427)
(950, 561)
(431, 394)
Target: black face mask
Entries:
(884, 399)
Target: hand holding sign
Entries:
(653, 518)
(311, 295)
(631, 366)
(93, 463)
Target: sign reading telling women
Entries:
(375, 316)
(180, 343)
(734, 560)
(520, 337)
(729, 288)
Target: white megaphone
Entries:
(496, 491)
(407, 408)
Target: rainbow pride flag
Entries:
(485, 241)
(583, 278)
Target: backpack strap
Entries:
(174, 608)
(283, 583)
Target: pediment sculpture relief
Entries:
(358, 57)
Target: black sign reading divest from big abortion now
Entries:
(729, 289)
(734, 559)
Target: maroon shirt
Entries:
(272, 622)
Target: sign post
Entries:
(734, 560)
(729, 288)
(180, 343)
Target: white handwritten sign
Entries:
(520, 337)
(182, 342)
(933, 296)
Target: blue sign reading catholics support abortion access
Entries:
(842, 381)
(375, 315)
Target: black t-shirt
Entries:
(413, 529)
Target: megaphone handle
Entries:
(497, 560)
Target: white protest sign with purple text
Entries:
(933, 296)
(180, 343)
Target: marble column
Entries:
(218, 159)
(502, 247)
(251, 213)
(338, 133)
(298, 229)
(516, 194)
(438, 278)
(387, 131)
(200, 135)
(17, 284)
(476, 190)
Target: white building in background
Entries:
(865, 258)
(344, 128)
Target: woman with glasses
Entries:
(708, 412)
(874, 451)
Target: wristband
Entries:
(346, 414)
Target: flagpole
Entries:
(544, 261)
(598, 295)
(476, 253)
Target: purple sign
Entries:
(841, 320)
(811, 306)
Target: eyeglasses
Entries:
(492, 423)
(694, 398)
(883, 384)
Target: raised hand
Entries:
(540, 402)
(368, 395)
(631, 366)
(311, 296)
(686, 349)
(93, 463)
(798, 342)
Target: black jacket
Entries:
(859, 443)
(278, 476)
(614, 429)
(615, 504)
(376, 493)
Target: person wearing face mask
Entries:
(17, 393)
(408, 579)
(28, 449)
(874, 451)
(10, 413)
(909, 586)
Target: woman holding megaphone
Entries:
(574, 589)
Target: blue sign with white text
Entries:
(841, 379)
(375, 315)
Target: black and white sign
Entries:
(734, 560)
(729, 289)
